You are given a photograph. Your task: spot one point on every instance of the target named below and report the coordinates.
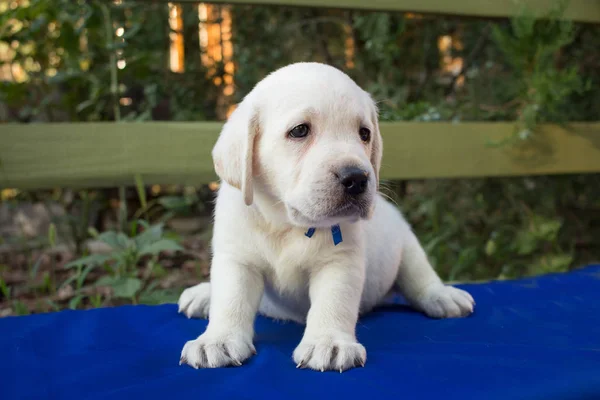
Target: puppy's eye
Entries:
(299, 131)
(365, 134)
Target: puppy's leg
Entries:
(422, 287)
(329, 341)
(195, 301)
(236, 290)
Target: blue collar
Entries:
(336, 234)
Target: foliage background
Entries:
(523, 70)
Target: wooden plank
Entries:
(577, 10)
(463, 150)
(107, 154)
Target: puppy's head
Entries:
(306, 137)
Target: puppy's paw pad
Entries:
(329, 352)
(447, 302)
(213, 351)
(194, 302)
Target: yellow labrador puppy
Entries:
(301, 232)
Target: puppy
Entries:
(301, 232)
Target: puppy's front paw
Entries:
(442, 301)
(195, 301)
(336, 352)
(214, 351)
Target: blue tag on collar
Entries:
(336, 234)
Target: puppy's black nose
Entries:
(354, 179)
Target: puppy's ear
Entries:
(233, 154)
(376, 143)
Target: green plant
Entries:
(4, 289)
(125, 255)
(541, 88)
(20, 308)
(64, 56)
(499, 228)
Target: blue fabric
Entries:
(529, 339)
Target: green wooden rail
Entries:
(108, 154)
(577, 10)
(82, 155)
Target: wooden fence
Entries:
(110, 154)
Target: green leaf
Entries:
(116, 240)
(122, 287)
(490, 247)
(552, 263)
(93, 232)
(560, 262)
(143, 223)
(157, 270)
(159, 246)
(52, 305)
(47, 283)
(174, 202)
(146, 115)
(467, 258)
(52, 235)
(106, 281)
(96, 301)
(75, 301)
(139, 185)
(548, 230)
(4, 289)
(525, 242)
(81, 277)
(85, 104)
(159, 296)
(20, 308)
(94, 259)
(68, 281)
(129, 33)
(149, 236)
(36, 267)
(127, 287)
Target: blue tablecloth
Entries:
(528, 339)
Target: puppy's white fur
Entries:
(273, 189)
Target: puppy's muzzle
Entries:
(354, 180)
